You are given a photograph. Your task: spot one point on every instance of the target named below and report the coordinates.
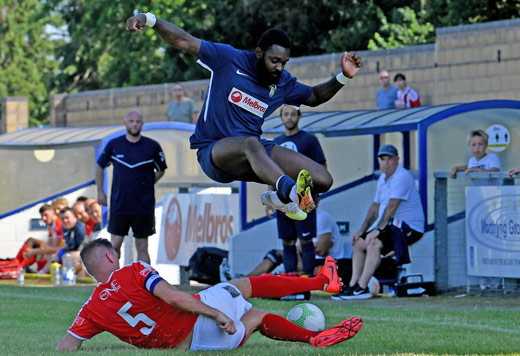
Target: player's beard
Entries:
(134, 133)
(291, 125)
(264, 75)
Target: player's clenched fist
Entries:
(136, 23)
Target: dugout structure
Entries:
(41, 163)
(430, 139)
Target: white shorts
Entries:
(206, 333)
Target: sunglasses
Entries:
(383, 77)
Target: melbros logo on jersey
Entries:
(247, 102)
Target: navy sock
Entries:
(290, 258)
(308, 258)
(283, 188)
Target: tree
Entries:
(404, 30)
(27, 62)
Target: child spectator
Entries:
(480, 161)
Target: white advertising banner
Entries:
(190, 221)
(493, 231)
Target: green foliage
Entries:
(27, 62)
(453, 12)
(97, 52)
(404, 30)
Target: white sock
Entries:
(293, 194)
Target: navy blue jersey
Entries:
(134, 174)
(74, 238)
(303, 142)
(236, 102)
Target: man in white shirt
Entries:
(397, 220)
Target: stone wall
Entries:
(466, 63)
(15, 113)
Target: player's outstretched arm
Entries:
(69, 343)
(170, 33)
(184, 301)
(350, 65)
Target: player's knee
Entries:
(251, 144)
(323, 181)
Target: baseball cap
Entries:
(387, 150)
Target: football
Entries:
(307, 316)
(373, 286)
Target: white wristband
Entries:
(341, 78)
(150, 19)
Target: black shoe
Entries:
(360, 293)
(345, 291)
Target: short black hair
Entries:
(65, 209)
(274, 36)
(399, 76)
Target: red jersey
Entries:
(89, 227)
(126, 307)
(409, 97)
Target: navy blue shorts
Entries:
(142, 225)
(218, 175)
(387, 239)
(289, 229)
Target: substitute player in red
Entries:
(136, 305)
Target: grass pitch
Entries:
(33, 320)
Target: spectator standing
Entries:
(138, 306)
(387, 94)
(397, 218)
(406, 96)
(138, 164)
(290, 230)
(481, 161)
(181, 109)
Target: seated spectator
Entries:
(74, 234)
(397, 218)
(95, 213)
(480, 161)
(39, 251)
(81, 214)
(59, 204)
(328, 243)
(406, 96)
